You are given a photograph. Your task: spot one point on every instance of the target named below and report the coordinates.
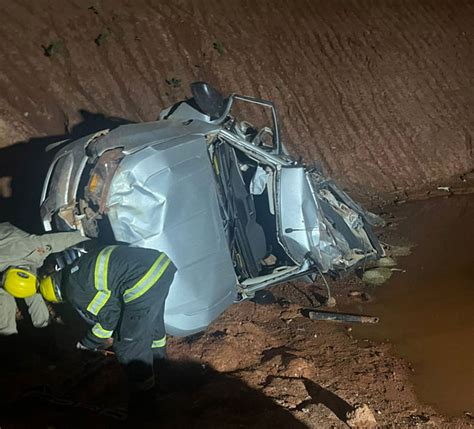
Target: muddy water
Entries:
(427, 312)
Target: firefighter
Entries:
(21, 254)
(120, 291)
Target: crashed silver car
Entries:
(220, 195)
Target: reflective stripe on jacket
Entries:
(100, 283)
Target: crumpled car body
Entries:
(224, 199)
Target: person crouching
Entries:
(120, 291)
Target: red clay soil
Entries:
(255, 367)
(381, 93)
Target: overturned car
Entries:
(221, 196)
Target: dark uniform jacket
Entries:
(101, 282)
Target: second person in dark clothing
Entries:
(120, 291)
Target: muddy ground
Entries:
(260, 365)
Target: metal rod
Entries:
(341, 317)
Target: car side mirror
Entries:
(209, 100)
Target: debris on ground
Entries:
(360, 296)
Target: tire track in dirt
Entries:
(380, 92)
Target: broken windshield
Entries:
(262, 127)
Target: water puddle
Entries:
(427, 312)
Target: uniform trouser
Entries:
(36, 307)
(141, 338)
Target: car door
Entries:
(317, 220)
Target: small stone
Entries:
(288, 392)
(360, 296)
(299, 368)
(361, 417)
(377, 276)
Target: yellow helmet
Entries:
(20, 283)
(49, 288)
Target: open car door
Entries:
(317, 220)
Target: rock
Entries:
(289, 393)
(290, 313)
(361, 417)
(377, 276)
(299, 368)
(360, 296)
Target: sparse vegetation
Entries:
(53, 48)
(102, 37)
(93, 9)
(173, 82)
(219, 47)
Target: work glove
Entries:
(80, 346)
(101, 348)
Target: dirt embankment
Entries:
(380, 92)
